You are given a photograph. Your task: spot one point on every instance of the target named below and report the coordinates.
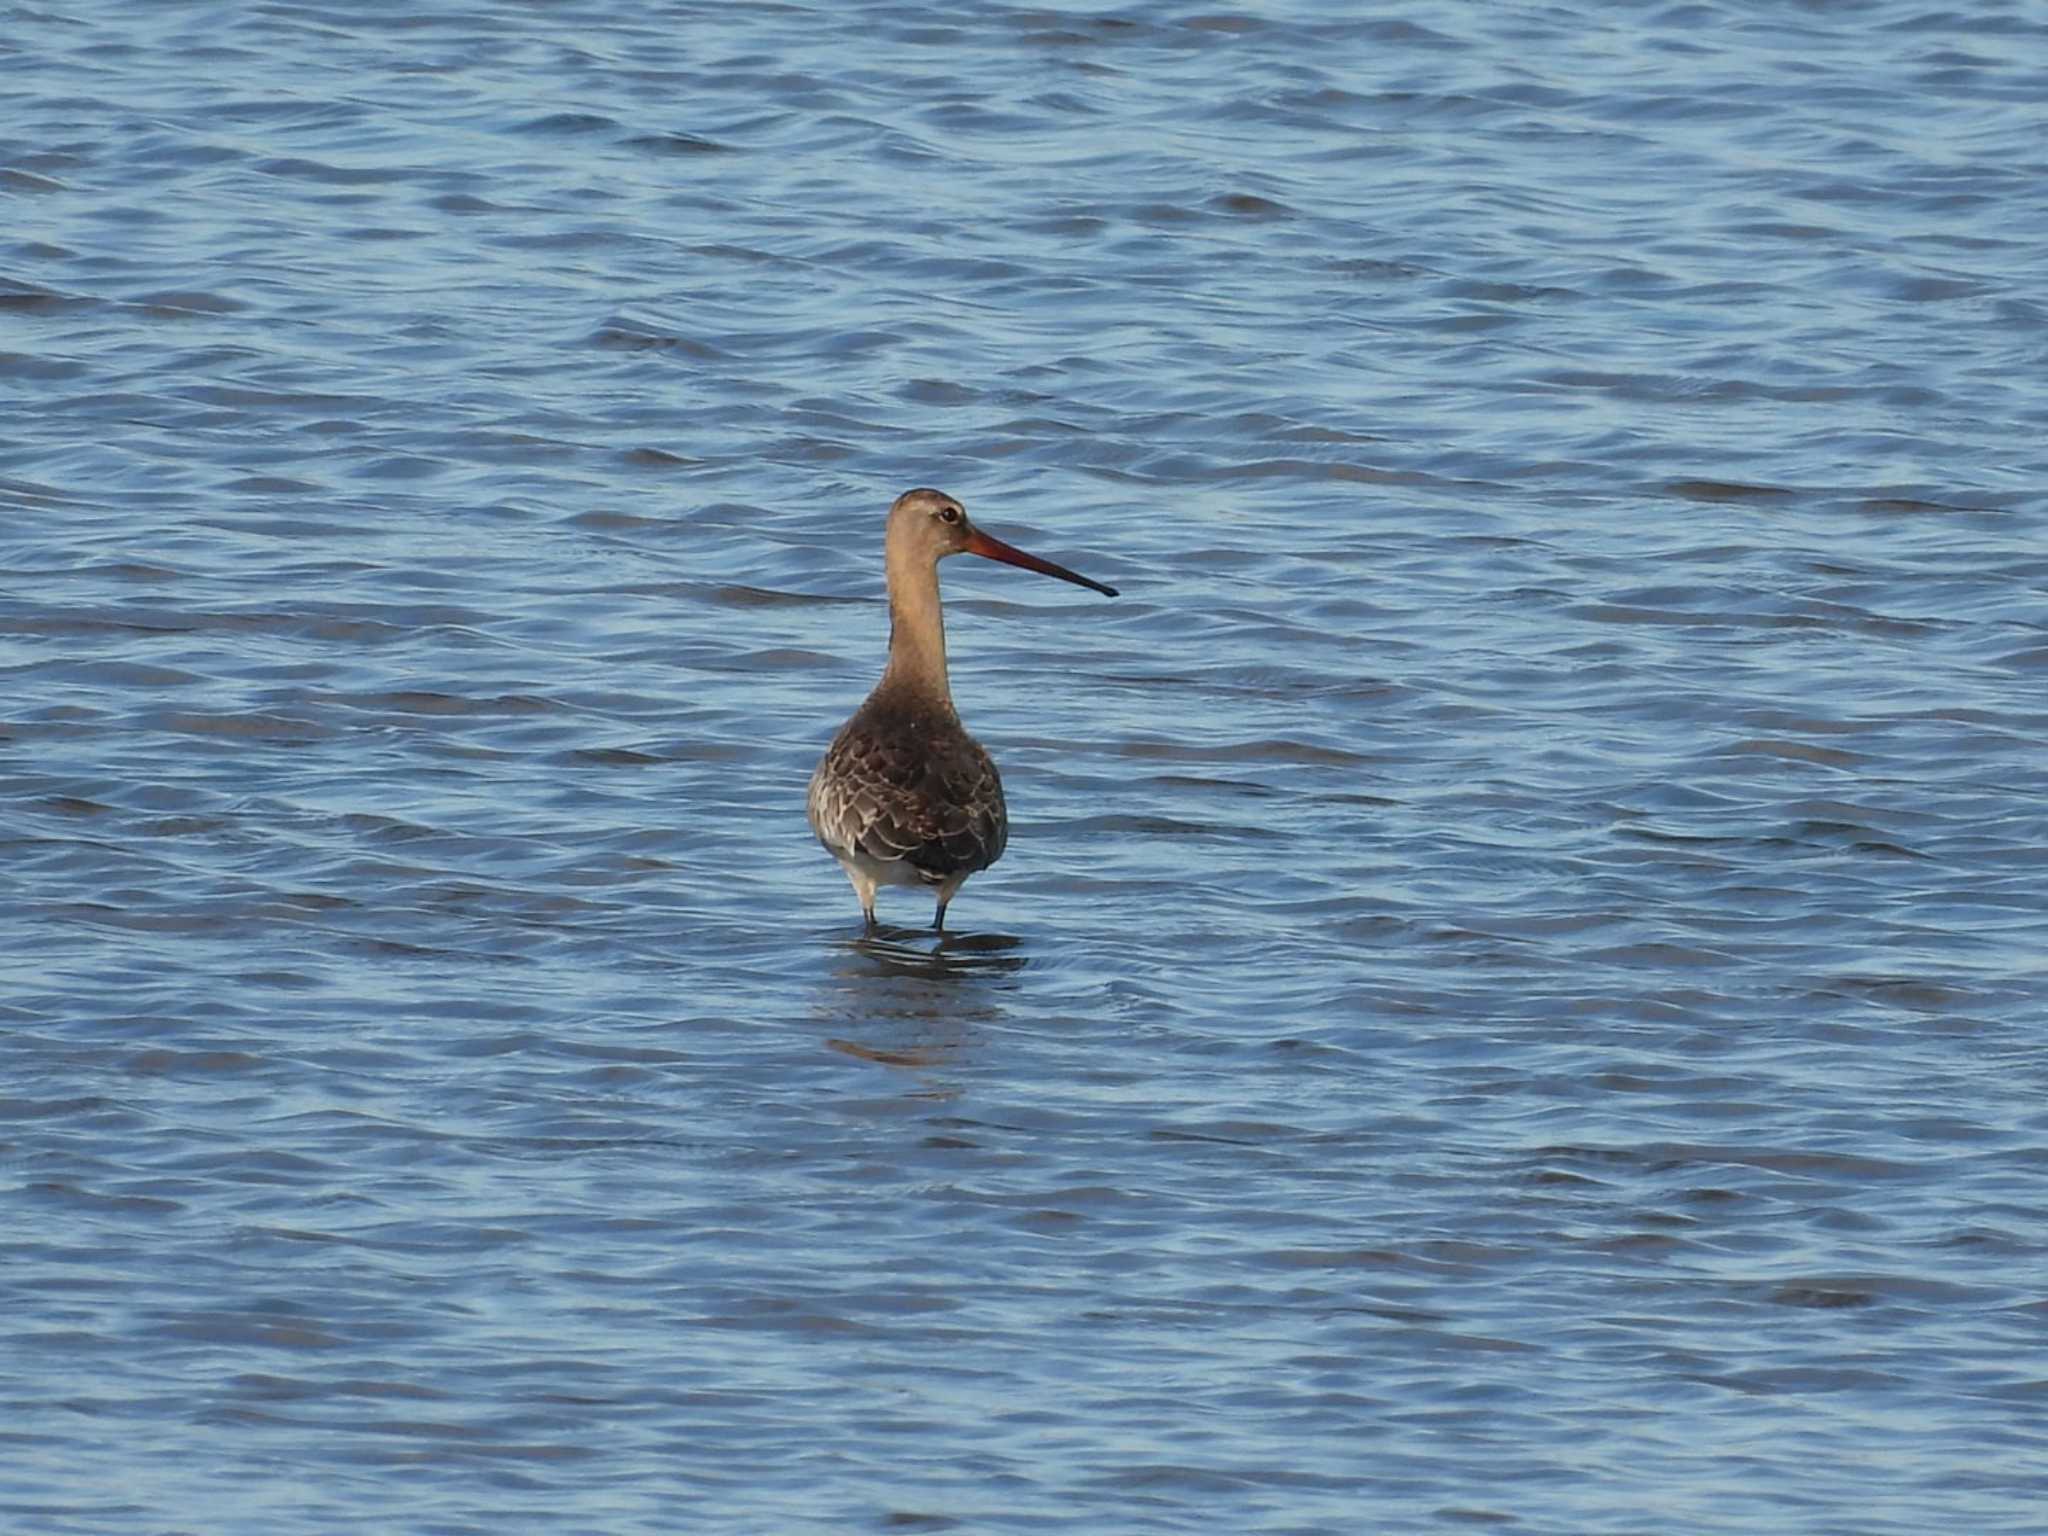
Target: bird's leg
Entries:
(948, 889)
(864, 888)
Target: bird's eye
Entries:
(949, 514)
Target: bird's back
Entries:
(907, 789)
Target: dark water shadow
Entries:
(941, 956)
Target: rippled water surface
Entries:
(1516, 996)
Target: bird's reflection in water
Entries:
(941, 957)
(907, 996)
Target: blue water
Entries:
(1516, 995)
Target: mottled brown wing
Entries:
(929, 799)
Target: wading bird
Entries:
(904, 796)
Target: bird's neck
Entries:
(917, 631)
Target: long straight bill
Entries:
(979, 543)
